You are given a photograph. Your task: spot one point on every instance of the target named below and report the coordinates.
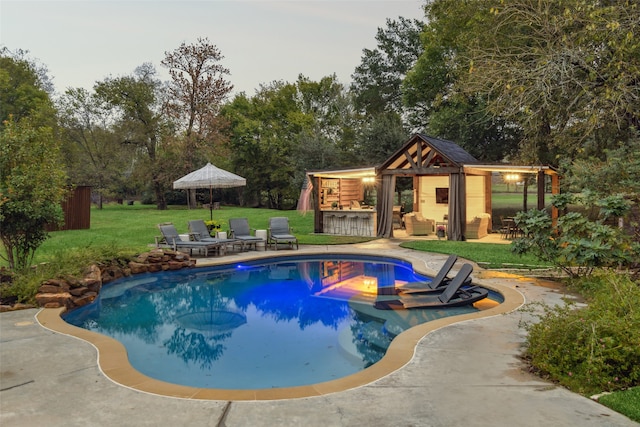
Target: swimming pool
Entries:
(268, 323)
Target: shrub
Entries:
(24, 284)
(576, 244)
(595, 348)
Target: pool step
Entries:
(375, 334)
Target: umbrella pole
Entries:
(211, 202)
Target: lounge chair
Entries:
(280, 232)
(239, 230)
(171, 237)
(436, 284)
(199, 232)
(453, 295)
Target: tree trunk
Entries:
(192, 202)
(161, 202)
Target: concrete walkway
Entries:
(464, 374)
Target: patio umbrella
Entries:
(210, 177)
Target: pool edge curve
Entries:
(114, 364)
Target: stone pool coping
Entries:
(114, 364)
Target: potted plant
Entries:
(213, 225)
(440, 231)
(334, 205)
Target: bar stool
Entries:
(330, 223)
(354, 225)
(365, 225)
(341, 224)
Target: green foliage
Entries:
(618, 172)
(24, 286)
(32, 185)
(378, 79)
(430, 87)
(540, 81)
(213, 224)
(285, 129)
(23, 90)
(560, 70)
(486, 254)
(577, 244)
(595, 348)
(137, 100)
(31, 179)
(62, 263)
(626, 402)
(92, 147)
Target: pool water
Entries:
(281, 322)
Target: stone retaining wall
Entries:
(73, 292)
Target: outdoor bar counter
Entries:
(349, 222)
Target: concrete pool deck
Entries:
(466, 373)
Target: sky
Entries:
(84, 41)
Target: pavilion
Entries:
(446, 181)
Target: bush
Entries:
(24, 285)
(595, 348)
(576, 244)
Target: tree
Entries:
(287, 128)
(198, 87)
(32, 186)
(24, 89)
(431, 86)
(377, 81)
(565, 71)
(377, 90)
(32, 180)
(93, 152)
(138, 99)
(264, 131)
(196, 93)
(379, 137)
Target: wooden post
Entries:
(555, 189)
(525, 192)
(541, 183)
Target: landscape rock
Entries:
(73, 292)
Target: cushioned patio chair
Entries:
(453, 295)
(416, 225)
(239, 229)
(199, 232)
(171, 238)
(478, 227)
(280, 232)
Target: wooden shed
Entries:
(77, 209)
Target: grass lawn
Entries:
(133, 228)
(626, 402)
(487, 255)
